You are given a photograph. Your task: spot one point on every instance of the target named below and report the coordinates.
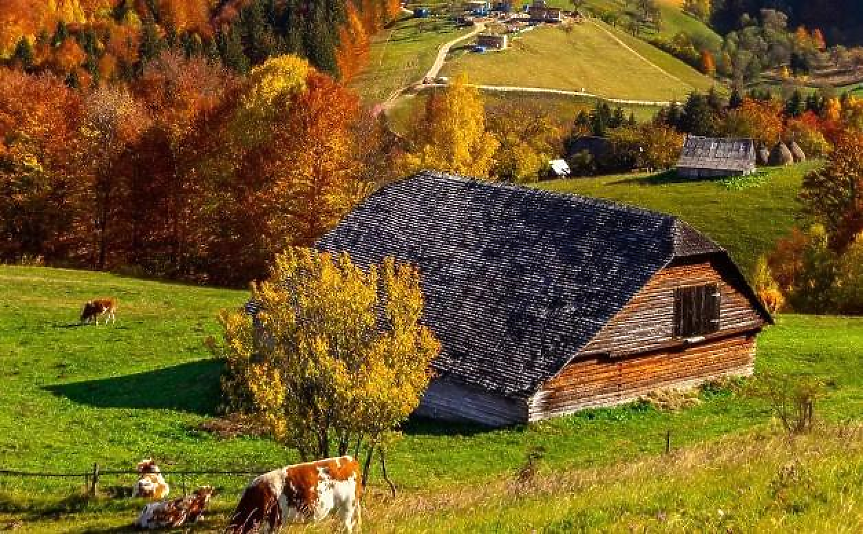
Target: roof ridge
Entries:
(621, 206)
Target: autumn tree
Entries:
(527, 141)
(833, 195)
(113, 122)
(760, 120)
(40, 186)
(337, 357)
(450, 134)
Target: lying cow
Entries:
(299, 493)
(150, 483)
(176, 513)
(93, 309)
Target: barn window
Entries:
(696, 310)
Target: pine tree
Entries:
(795, 105)
(60, 34)
(698, 117)
(23, 54)
(151, 42)
(231, 50)
(735, 99)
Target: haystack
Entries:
(797, 152)
(780, 155)
(763, 155)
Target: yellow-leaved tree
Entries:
(450, 134)
(337, 356)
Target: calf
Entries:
(301, 492)
(150, 483)
(172, 514)
(94, 309)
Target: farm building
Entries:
(708, 157)
(546, 304)
(490, 40)
(539, 11)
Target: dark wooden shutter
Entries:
(696, 310)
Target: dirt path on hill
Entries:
(626, 46)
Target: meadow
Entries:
(73, 395)
(553, 58)
(746, 217)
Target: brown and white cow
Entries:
(176, 513)
(93, 309)
(150, 482)
(301, 492)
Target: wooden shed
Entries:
(546, 303)
(709, 157)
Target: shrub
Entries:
(791, 398)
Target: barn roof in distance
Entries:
(717, 153)
(516, 280)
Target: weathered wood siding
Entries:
(636, 352)
(603, 381)
(453, 401)
(647, 321)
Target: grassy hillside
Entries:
(76, 395)
(746, 221)
(400, 55)
(586, 57)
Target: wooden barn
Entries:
(547, 303)
(710, 157)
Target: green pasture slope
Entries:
(114, 394)
(585, 57)
(747, 220)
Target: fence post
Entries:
(668, 442)
(183, 482)
(94, 487)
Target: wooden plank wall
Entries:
(636, 352)
(647, 321)
(453, 401)
(603, 381)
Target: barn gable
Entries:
(516, 280)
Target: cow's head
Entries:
(87, 311)
(148, 466)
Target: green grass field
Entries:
(75, 395)
(747, 221)
(585, 57)
(400, 55)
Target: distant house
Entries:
(539, 11)
(708, 157)
(559, 168)
(493, 41)
(548, 303)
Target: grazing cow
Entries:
(150, 482)
(176, 513)
(301, 492)
(93, 309)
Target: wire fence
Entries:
(93, 477)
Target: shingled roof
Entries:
(516, 280)
(716, 153)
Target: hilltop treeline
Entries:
(88, 41)
(840, 20)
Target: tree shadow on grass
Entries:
(191, 387)
(419, 426)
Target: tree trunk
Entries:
(367, 464)
(384, 471)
